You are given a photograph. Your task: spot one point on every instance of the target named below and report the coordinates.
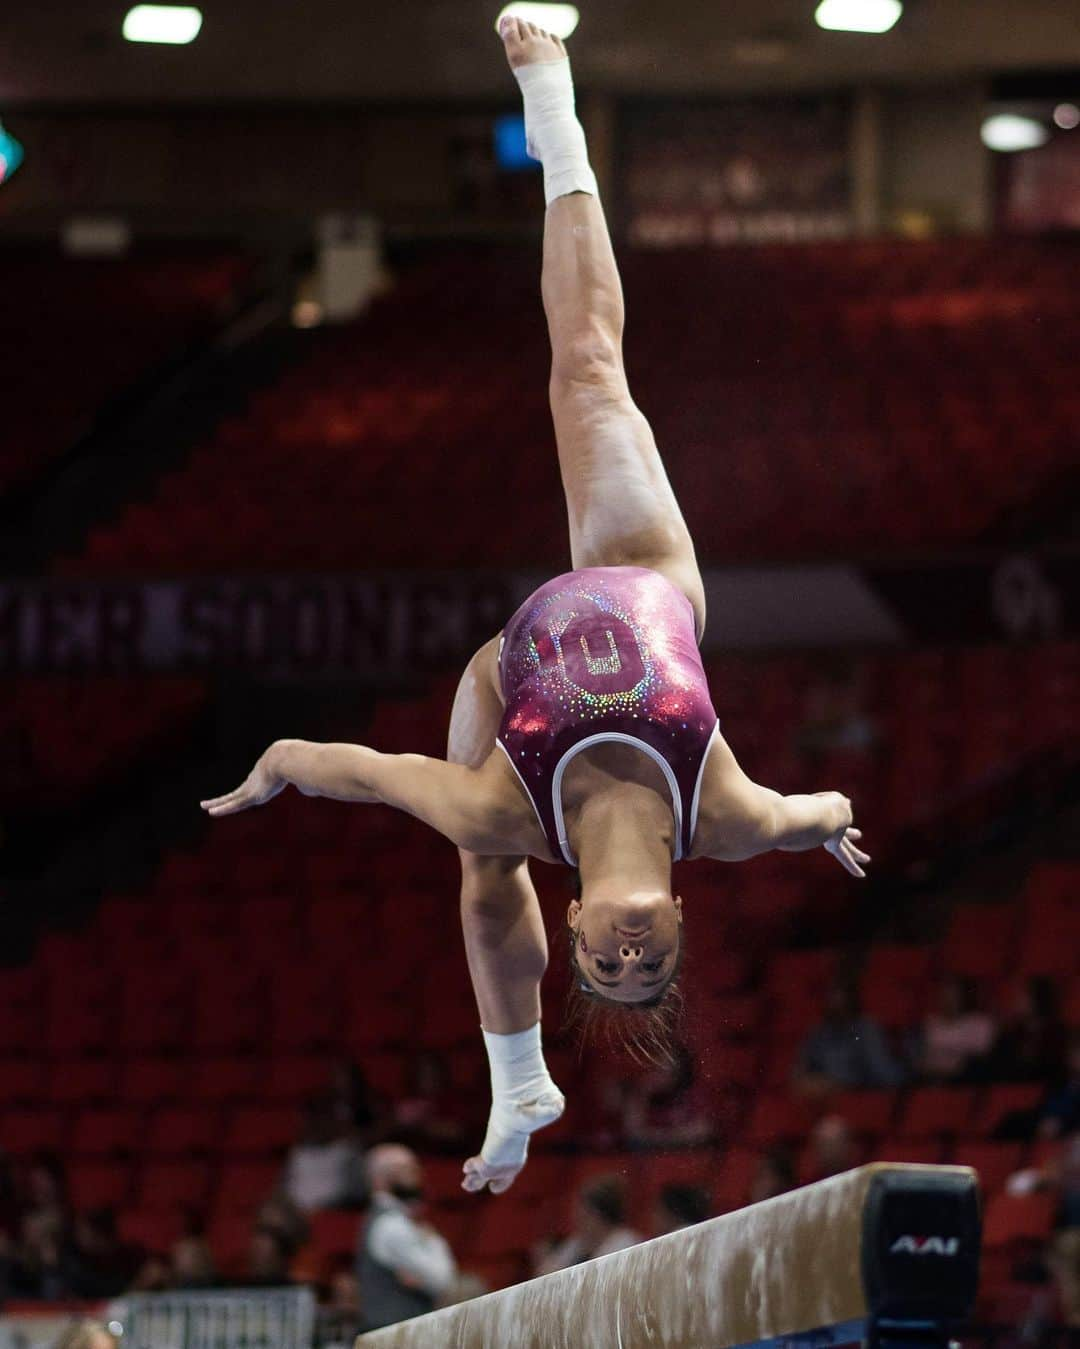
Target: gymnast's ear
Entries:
(677, 901)
(572, 912)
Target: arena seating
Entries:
(914, 399)
(165, 1046)
(76, 335)
(61, 736)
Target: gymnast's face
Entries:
(627, 945)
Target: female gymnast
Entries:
(584, 733)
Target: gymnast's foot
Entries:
(526, 44)
(506, 1147)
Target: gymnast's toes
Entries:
(525, 43)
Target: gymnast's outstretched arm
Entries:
(740, 819)
(462, 803)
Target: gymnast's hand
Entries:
(262, 784)
(842, 846)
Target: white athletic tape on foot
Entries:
(523, 1096)
(553, 133)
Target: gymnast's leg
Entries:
(620, 504)
(506, 948)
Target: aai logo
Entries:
(908, 1245)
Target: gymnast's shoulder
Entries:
(736, 816)
(503, 818)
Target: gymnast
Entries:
(584, 733)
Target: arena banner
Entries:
(736, 171)
(401, 624)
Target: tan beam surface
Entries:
(788, 1265)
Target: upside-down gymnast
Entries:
(584, 733)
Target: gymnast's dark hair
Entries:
(645, 1030)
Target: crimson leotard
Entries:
(605, 654)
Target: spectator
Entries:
(957, 1037)
(155, 1275)
(428, 1116)
(679, 1206)
(847, 1049)
(1031, 1044)
(341, 1320)
(86, 1335)
(1059, 1113)
(324, 1169)
(45, 1188)
(282, 1216)
(775, 1175)
(836, 716)
(664, 1108)
(1061, 1177)
(599, 1227)
(832, 1148)
(403, 1265)
(193, 1263)
(268, 1259)
(356, 1107)
(102, 1265)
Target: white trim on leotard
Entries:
(603, 737)
(697, 785)
(532, 799)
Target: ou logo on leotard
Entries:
(596, 651)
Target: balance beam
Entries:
(886, 1254)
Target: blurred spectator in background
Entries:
(45, 1191)
(325, 1167)
(836, 716)
(679, 1206)
(192, 1263)
(599, 1227)
(665, 1107)
(155, 1275)
(1031, 1044)
(847, 1049)
(956, 1038)
(355, 1105)
(101, 1264)
(340, 1316)
(428, 1115)
(1060, 1176)
(280, 1214)
(9, 1198)
(832, 1148)
(775, 1175)
(1059, 1113)
(403, 1265)
(87, 1335)
(268, 1259)
(463, 1288)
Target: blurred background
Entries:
(275, 457)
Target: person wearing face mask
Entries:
(403, 1265)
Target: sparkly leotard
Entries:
(605, 654)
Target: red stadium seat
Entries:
(1010, 1219)
(334, 1234)
(100, 1184)
(32, 1130)
(171, 1186)
(259, 1130)
(1002, 1101)
(105, 1130)
(936, 1110)
(995, 1162)
(177, 1131)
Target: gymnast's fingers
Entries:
(501, 1184)
(850, 862)
(229, 804)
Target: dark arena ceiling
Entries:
(63, 51)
